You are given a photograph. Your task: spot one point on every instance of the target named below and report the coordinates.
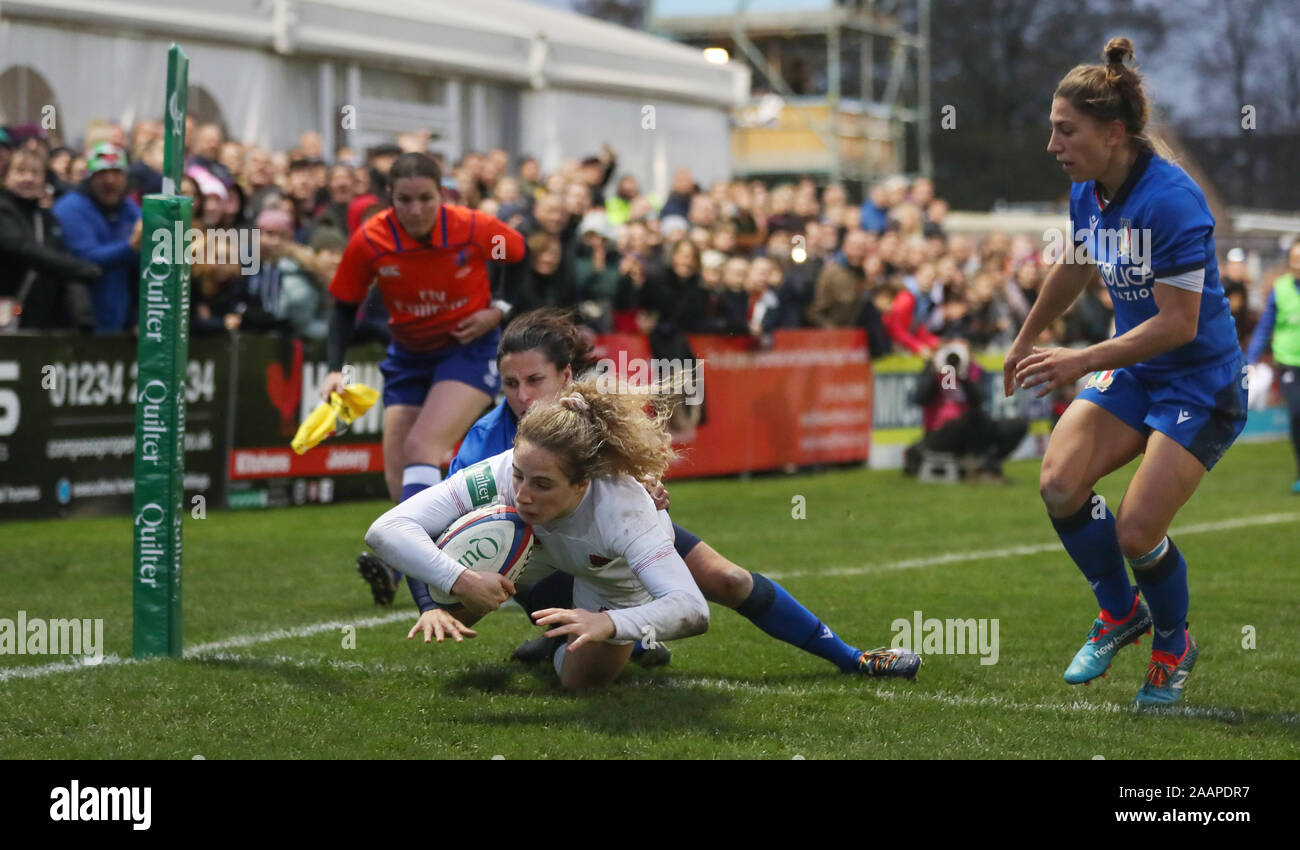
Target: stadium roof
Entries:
(507, 40)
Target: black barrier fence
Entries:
(67, 425)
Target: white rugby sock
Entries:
(417, 477)
(421, 473)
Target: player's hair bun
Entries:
(1111, 92)
(1118, 50)
(1119, 61)
(576, 403)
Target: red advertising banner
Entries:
(325, 459)
(806, 400)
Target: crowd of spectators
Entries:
(735, 256)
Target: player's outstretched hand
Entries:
(587, 625)
(438, 624)
(1050, 368)
(482, 592)
(333, 384)
(1019, 351)
(477, 324)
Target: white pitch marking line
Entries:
(295, 632)
(1011, 551)
(203, 649)
(76, 664)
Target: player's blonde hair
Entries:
(596, 434)
(1113, 92)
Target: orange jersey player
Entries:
(430, 263)
(429, 285)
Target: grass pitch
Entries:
(270, 597)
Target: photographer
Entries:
(954, 418)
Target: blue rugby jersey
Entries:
(1157, 228)
(492, 434)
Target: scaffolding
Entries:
(809, 113)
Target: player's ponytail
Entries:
(551, 331)
(1112, 92)
(596, 434)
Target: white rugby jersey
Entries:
(615, 541)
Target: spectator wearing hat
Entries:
(595, 173)
(214, 196)
(1234, 270)
(41, 285)
(33, 137)
(102, 226)
(597, 271)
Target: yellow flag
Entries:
(315, 428)
(346, 407)
(353, 402)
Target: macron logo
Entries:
(1183, 416)
(106, 804)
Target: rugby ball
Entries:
(488, 540)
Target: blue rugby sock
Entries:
(1162, 575)
(779, 614)
(1090, 539)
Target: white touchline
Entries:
(295, 632)
(35, 672)
(1009, 551)
(203, 649)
